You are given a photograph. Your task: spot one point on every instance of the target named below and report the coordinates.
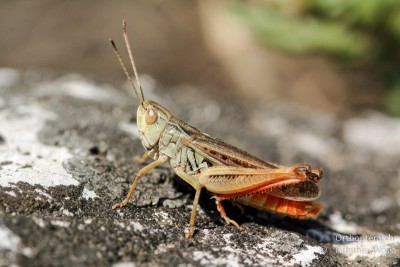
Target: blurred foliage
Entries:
(301, 34)
(393, 100)
(363, 31)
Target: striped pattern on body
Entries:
(278, 205)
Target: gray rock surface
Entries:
(66, 148)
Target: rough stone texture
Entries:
(66, 148)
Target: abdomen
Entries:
(278, 205)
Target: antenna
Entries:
(124, 68)
(128, 46)
(132, 62)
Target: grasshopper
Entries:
(227, 172)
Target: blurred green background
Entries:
(361, 32)
(336, 55)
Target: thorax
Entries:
(173, 143)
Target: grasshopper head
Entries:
(152, 118)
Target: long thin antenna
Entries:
(124, 68)
(128, 46)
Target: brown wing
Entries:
(219, 152)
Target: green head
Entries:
(152, 118)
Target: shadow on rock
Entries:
(313, 228)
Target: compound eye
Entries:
(151, 116)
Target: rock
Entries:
(66, 158)
(2, 140)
